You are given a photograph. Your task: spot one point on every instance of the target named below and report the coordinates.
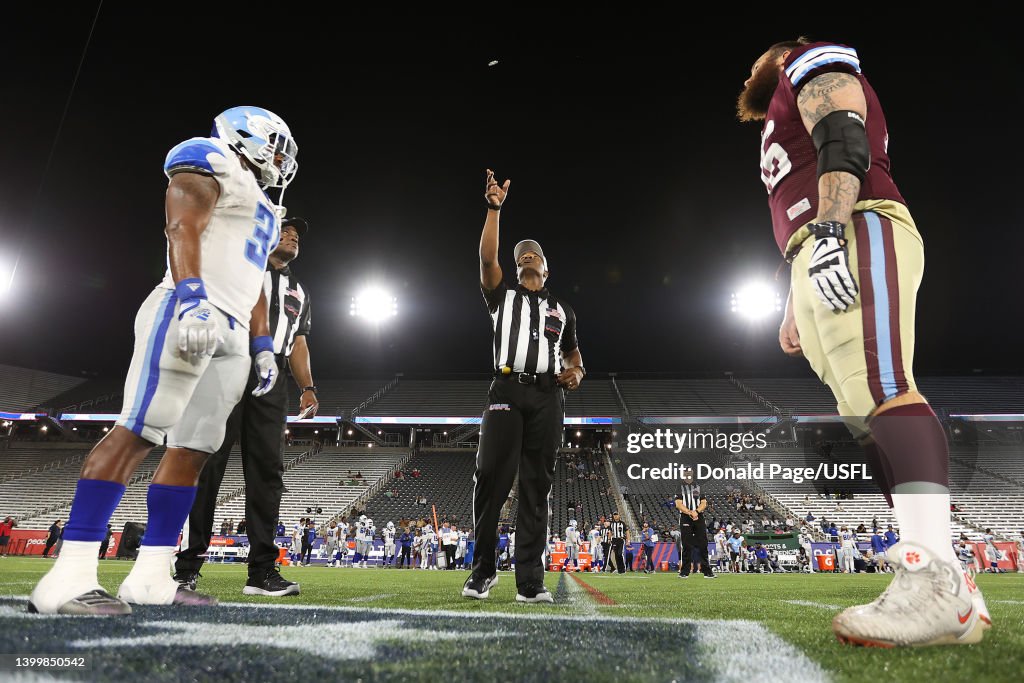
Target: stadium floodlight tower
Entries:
(374, 305)
(756, 301)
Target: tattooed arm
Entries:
(837, 191)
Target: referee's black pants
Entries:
(616, 552)
(260, 423)
(521, 432)
(695, 537)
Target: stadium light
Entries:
(44, 429)
(287, 431)
(106, 429)
(373, 305)
(579, 433)
(756, 300)
(349, 432)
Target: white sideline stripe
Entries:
(808, 603)
(1008, 602)
(350, 643)
(578, 598)
(371, 598)
(742, 651)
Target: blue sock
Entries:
(168, 508)
(94, 503)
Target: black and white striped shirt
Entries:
(285, 293)
(531, 329)
(691, 496)
(618, 529)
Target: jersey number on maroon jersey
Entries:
(775, 164)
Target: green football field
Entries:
(372, 624)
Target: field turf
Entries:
(372, 624)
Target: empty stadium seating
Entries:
(339, 397)
(317, 481)
(699, 397)
(420, 397)
(446, 480)
(568, 488)
(22, 390)
(802, 396)
(594, 398)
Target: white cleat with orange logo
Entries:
(929, 602)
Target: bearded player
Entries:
(858, 260)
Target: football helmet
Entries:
(264, 139)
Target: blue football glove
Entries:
(266, 364)
(197, 327)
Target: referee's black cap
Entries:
(301, 225)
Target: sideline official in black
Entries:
(535, 355)
(691, 504)
(260, 423)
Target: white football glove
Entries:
(830, 275)
(197, 327)
(265, 364)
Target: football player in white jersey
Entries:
(572, 546)
(596, 552)
(193, 338)
(296, 549)
(992, 553)
(389, 544)
(847, 549)
(331, 544)
(369, 531)
(462, 548)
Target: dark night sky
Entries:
(625, 157)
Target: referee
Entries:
(260, 423)
(691, 504)
(620, 537)
(535, 355)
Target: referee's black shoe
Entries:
(269, 582)
(533, 593)
(478, 587)
(187, 579)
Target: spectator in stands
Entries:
(280, 530)
(105, 543)
(833, 533)
(241, 528)
(6, 531)
(809, 518)
(51, 540)
(416, 474)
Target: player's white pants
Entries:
(389, 553)
(424, 558)
(170, 400)
(846, 559)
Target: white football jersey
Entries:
(242, 231)
(389, 536)
(848, 538)
(572, 537)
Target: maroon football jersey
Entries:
(789, 161)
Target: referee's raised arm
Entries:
(490, 271)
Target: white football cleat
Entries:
(929, 602)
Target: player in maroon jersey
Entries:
(858, 261)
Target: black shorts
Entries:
(4, 540)
(733, 555)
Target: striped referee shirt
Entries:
(528, 328)
(618, 529)
(286, 295)
(691, 496)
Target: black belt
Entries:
(542, 379)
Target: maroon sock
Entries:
(912, 445)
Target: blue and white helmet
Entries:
(572, 523)
(261, 136)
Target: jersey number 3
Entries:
(775, 163)
(264, 237)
